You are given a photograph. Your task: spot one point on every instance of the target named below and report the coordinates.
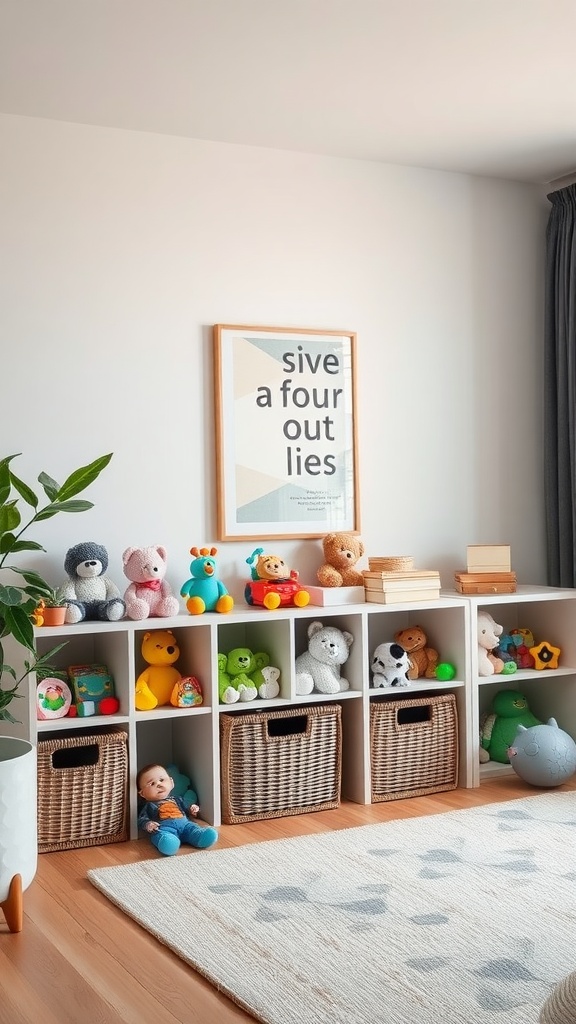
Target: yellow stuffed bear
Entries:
(155, 684)
(341, 552)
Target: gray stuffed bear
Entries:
(89, 593)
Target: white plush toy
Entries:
(390, 665)
(489, 633)
(319, 667)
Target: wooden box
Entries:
(485, 582)
(488, 558)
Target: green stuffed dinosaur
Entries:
(498, 729)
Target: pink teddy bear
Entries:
(149, 594)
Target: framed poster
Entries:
(285, 432)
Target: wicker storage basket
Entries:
(413, 746)
(82, 791)
(276, 763)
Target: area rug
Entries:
(467, 917)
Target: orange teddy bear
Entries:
(341, 552)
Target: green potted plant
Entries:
(21, 593)
(51, 610)
(22, 590)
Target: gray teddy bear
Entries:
(88, 592)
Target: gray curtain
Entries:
(560, 388)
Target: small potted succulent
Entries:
(50, 610)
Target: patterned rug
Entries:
(460, 918)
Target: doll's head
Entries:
(153, 783)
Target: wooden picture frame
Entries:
(286, 445)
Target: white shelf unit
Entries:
(550, 614)
(190, 738)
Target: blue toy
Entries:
(543, 755)
(204, 592)
(182, 786)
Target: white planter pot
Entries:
(18, 824)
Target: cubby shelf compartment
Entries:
(550, 614)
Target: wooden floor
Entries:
(79, 960)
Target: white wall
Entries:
(122, 250)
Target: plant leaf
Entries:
(51, 486)
(20, 626)
(81, 478)
(10, 596)
(6, 542)
(5, 481)
(32, 577)
(10, 517)
(24, 491)
(23, 545)
(5, 715)
(63, 506)
(46, 659)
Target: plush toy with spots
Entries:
(390, 665)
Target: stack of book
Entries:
(489, 571)
(385, 587)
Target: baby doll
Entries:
(166, 818)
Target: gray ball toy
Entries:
(543, 755)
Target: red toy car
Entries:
(273, 585)
(278, 593)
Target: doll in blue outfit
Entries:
(167, 818)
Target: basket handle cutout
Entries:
(296, 725)
(420, 714)
(76, 757)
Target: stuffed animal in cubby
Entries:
(341, 553)
(89, 593)
(182, 786)
(499, 727)
(204, 592)
(423, 659)
(319, 667)
(155, 685)
(489, 633)
(243, 676)
(149, 593)
(390, 665)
